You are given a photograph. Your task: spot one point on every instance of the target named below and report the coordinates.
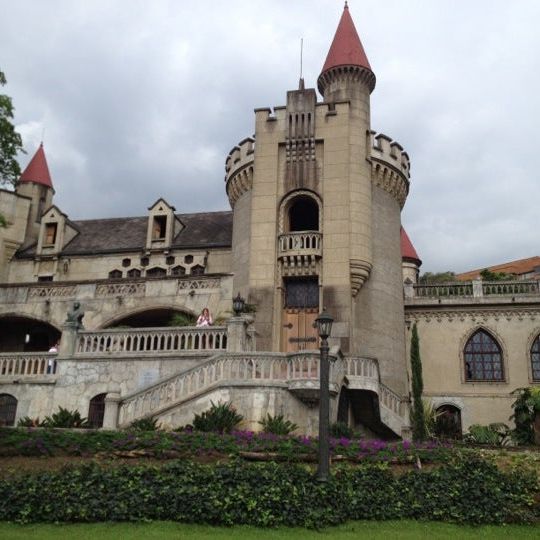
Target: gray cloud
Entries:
(144, 99)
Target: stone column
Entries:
(112, 403)
(68, 343)
(236, 334)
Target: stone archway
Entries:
(24, 334)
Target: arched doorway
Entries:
(23, 334)
(96, 411)
(448, 422)
(303, 214)
(8, 410)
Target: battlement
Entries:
(390, 166)
(239, 169)
(383, 148)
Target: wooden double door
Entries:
(301, 308)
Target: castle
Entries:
(316, 197)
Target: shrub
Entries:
(494, 434)
(182, 319)
(525, 407)
(340, 430)
(64, 418)
(222, 418)
(26, 421)
(277, 425)
(266, 495)
(144, 424)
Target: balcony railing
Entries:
(473, 289)
(150, 340)
(27, 364)
(301, 243)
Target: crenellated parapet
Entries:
(390, 166)
(239, 169)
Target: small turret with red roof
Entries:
(36, 184)
(37, 171)
(410, 260)
(346, 59)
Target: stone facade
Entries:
(316, 198)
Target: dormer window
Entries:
(49, 236)
(159, 228)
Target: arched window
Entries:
(197, 270)
(156, 272)
(134, 273)
(535, 359)
(115, 274)
(304, 215)
(8, 410)
(483, 358)
(96, 410)
(178, 271)
(448, 422)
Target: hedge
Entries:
(268, 494)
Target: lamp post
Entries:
(238, 304)
(324, 327)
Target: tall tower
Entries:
(35, 182)
(317, 199)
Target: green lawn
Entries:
(165, 530)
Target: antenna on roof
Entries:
(42, 135)
(301, 54)
(301, 82)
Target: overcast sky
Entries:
(142, 99)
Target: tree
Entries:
(487, 275)
(417, 413)
(10, 141)
(437, 277)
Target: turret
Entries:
(410, 261)
(35, 183)
(346, 72)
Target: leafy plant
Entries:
(144, 424)
(221, 417)
(496, 434)
(430, 418)
(417, 412)
(64, 418)
(27, 421)
(182, 319)
(340, 430)
(277, 425)
(526, 406)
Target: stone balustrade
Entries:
(27, 365)
(300, 243)
(510, 288)
(99, 289)
(159, 340)
(472, 289)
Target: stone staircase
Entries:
(297, 373)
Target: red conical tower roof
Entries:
(346, 49)
(407, 249)
(37, 170)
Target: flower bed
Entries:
(163, 444)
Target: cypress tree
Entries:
(417, 412)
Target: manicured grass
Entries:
(372, 530)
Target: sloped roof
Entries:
(407, 249)
(37, 170)
(203, 230)
(346, 48)
(518, 267)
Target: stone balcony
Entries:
(299, 252)
(472, 292)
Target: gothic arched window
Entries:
(483, 358)
(535, 359)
